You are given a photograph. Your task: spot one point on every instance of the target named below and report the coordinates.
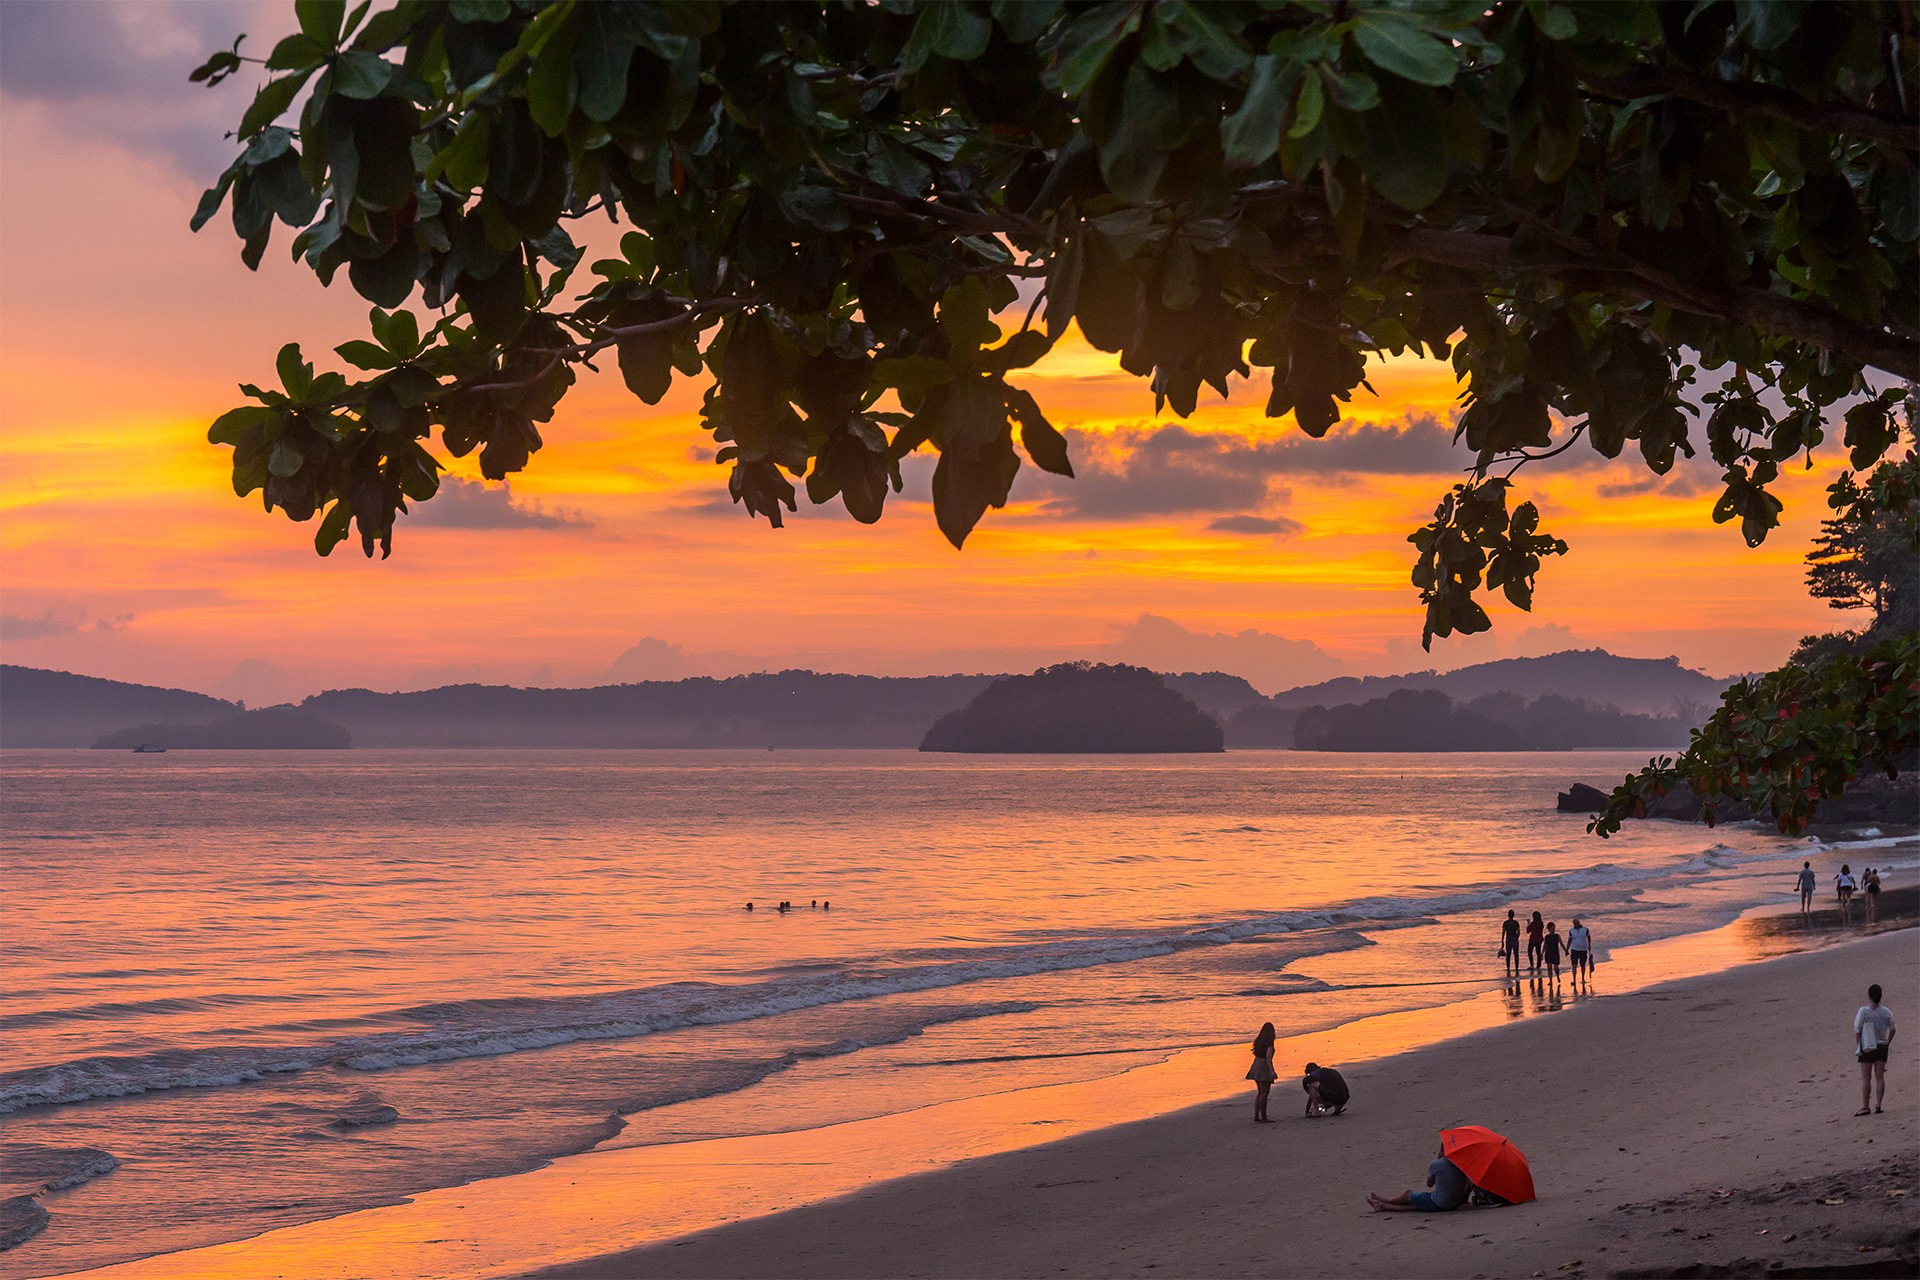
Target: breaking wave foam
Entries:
(495, 1026)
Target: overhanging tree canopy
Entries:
(837, 207)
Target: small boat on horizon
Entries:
(148, 749)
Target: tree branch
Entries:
(1763, 99)
(1897, 351)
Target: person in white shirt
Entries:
(1872, 1033)
(1580, 949)
(1844, 886)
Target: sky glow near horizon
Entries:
(1227, 541)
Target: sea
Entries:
(244, 990)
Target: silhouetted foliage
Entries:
(1846, 705)
(836, 205)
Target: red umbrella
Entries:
(1490, 1162)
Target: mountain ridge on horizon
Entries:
(793, 708)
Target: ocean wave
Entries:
(31, 1170)
(489, 1027)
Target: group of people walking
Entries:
(1845, 887)
(1546, 945)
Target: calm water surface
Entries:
(277, 986)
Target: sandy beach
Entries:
(1698, 1128)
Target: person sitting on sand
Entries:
(1580, 949)
(1551, 945)
(1808, 881)
(1872, 1033)
(1534, 933)
(1326, 1089)
(1450, 1190)
(1262, 1073)
(1843, 887)
(1870, 890)
(1510, 941)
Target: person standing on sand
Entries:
(1870, 889)
(1450, 1191)
(1872, 1034)
(1510, 941)
(1580, 949)
(1534, 928)
(1552, 947)
(1808, 882)
(1843, 887)
(1261, 1072)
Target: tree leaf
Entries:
(235, 424)
(270, 103)
(365, 355)
(1045, 445)
(359, 74)
(320, 19)
(1395, 42)
(912, 373)
(1251, 134)
(1308, 107)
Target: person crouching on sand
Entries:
(1450, 1190)
(1872, 1033)
(1326, 1089)
(1262, 1073)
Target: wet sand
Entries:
(1702, 1127)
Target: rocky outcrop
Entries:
(1581, 798)
(1876, 800)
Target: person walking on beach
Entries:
(1870, 889)
(1534, 934)
(1843, 887)
(1552, 946)
(1808, 881)
(1450, 1190)
(1261, 1072)
(1872, 1034)
(1510, 941)
(1326, 1089)
(1580, 950)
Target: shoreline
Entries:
(1669, 1135)
(604, 1202)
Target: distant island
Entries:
(1427, 720)
(273, 728)
(1078, 707)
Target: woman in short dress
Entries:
(1261, 1072)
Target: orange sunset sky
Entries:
(1225, 542)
